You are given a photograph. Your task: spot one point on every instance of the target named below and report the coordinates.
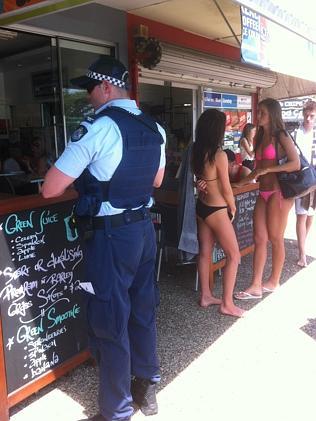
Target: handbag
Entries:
(297, 183)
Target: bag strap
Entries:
(278, 142)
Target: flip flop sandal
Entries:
(268, 290)
(243, 295)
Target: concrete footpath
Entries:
(261, 367)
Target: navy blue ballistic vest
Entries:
(131, 185)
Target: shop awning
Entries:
(288, 87)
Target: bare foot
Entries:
(302, 263)
(209, 301)
(232, 310)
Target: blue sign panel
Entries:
(212, 99)
(229, 101)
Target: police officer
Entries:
(114, 159)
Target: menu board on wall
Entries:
(243, 223)
(42, 312)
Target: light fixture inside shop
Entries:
(6, 35)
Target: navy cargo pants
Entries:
(121, 315)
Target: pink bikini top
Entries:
(268, 153)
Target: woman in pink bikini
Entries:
(215, 208)
(271, 209)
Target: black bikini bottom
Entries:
(203, 211)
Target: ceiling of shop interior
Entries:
(201, 17)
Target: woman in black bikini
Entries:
(215, 209)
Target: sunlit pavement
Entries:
(262, 368)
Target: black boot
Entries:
(144, 395)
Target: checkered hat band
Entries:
(101, 77)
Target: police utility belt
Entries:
(124, 218)
(88, 224)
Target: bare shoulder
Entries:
(284, 136)
(220, 156)
(285, 140)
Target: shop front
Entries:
(186, 82)
(39, 109)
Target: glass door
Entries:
(174, 107)
(28, 104)
(74, 59)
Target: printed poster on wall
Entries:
(235, 121)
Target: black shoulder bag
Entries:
(297, 183)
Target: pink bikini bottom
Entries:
(265, 194)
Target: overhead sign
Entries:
(292, 108)
(229, 101)
(296, 17)
(269, 45)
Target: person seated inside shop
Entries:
(236, 171)
(36, 162)
(11, 163)
(22, 169)
(13, 168)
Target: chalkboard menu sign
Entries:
(41, 266)
(243, 222)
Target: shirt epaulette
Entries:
(90, 119)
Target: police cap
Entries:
(105, 68)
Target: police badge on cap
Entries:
(105, 68)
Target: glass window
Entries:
(39, 108)
(75, 58)
(27, 107)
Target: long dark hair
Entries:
(275, 116)
(246, 130)
(209, 135)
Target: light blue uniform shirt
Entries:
(100, 150)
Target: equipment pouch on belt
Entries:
(83, 224)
